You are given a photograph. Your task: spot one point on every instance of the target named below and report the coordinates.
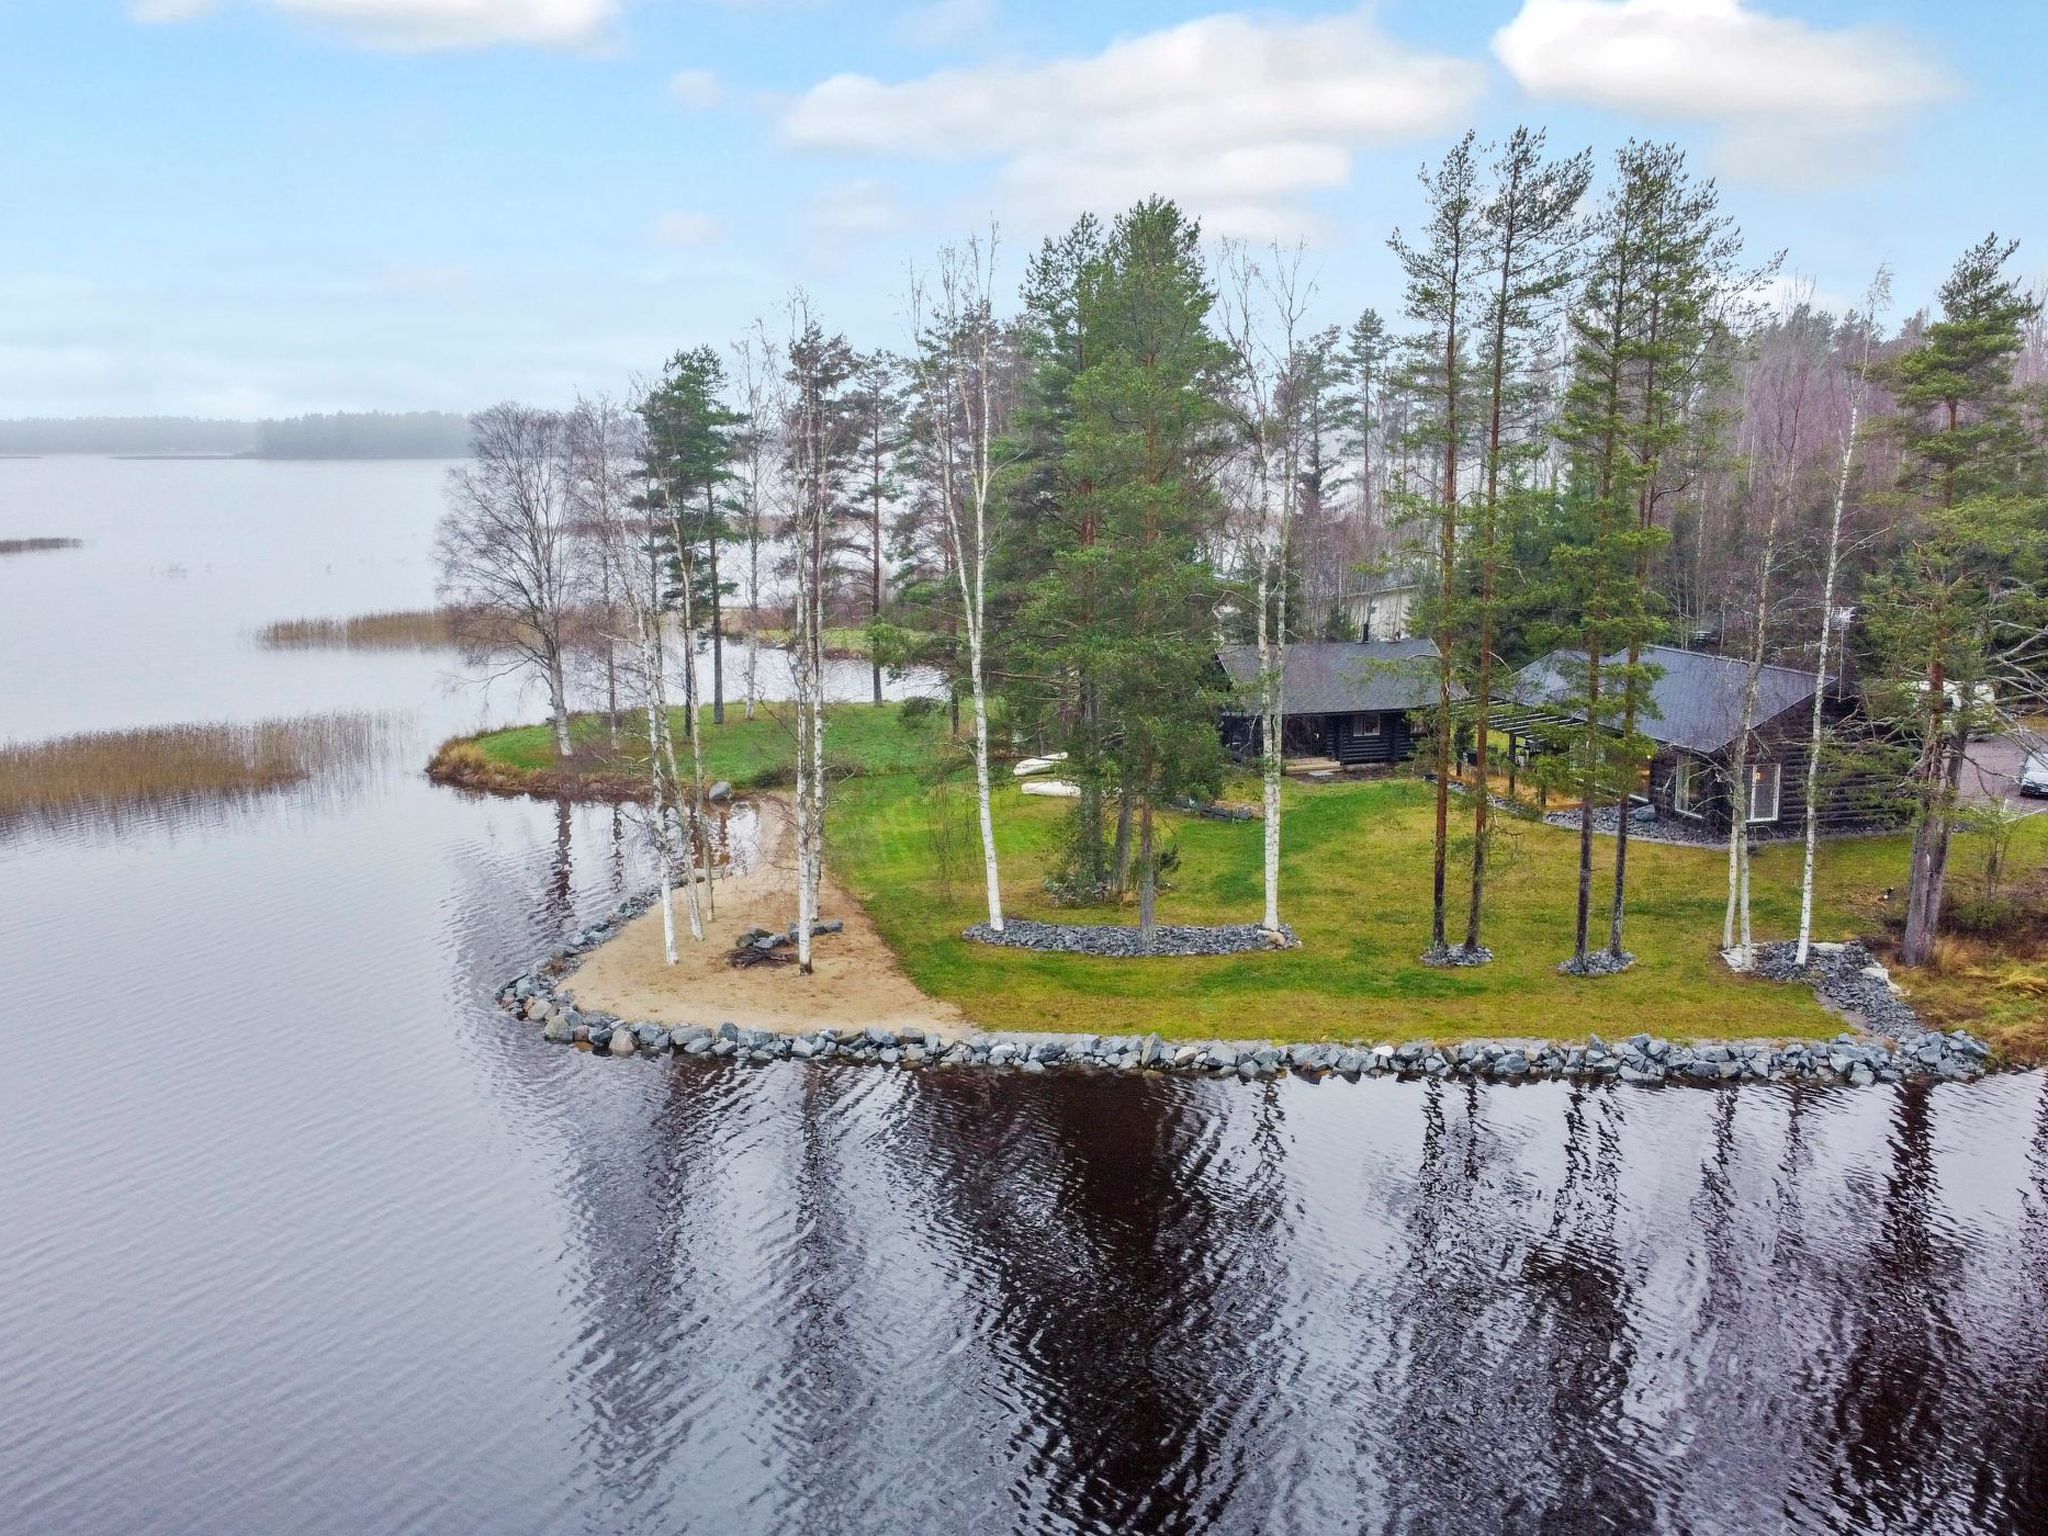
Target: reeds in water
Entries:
(412, 629)
(102, 774)
(37, 546)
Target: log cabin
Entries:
(1693, 722)
(1352, 702)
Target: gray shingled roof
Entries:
(1698, 699)
(1335, 677)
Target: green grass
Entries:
(1355, 887)
(841, 641)
(859, 738)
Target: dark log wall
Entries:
(1848, 799)
(1395, 742)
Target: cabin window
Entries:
(1763, 791)
(1684, 789)
(1365, 725)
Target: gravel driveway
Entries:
(1992, 772)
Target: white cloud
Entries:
(945, 23)
(698, 89)
(687, 229)
(1240, 116)
(855, 208)
(1795, 103)
(412, 26)
(169, 10)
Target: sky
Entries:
(259, 207)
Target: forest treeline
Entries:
(340, 435)
(1602, 420)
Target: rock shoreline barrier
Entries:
(1851, 1059)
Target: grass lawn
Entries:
(1355, 887)
(751, 753)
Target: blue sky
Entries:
(262, 206)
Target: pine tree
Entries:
(1683, 266)
(1124, 613)
(1958, 622)
(1529, 239)
(1441, 276)
(877, 406)
(1364, 365)
(691, 439)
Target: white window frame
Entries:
(1684, 793)
(1756, 783)
(1366, 723)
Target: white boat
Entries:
(1053, 789)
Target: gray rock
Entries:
(623, 1042)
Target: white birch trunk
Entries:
(558, 703)
(1827, 627)
(1735, 929)
(966, 311)
(754, 608)
(1272, 709)
(698, 820)
(691, 904)
(661, 849)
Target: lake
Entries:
(299, 1232)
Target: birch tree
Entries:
(962, 406)
(1778, 410)
(1875, 302)
(507, 552)
(604, 447)
(817, 369)
(756, 379)
(1262, 314)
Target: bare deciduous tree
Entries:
(604, 447)
(1263, 313)
(1875, 302)
(818, 368)
(957, 377)
(510, 564)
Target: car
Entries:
(2034, 775)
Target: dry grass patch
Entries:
(37, 546)
(105, 773)
(412, 629)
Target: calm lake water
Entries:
(298, 1233)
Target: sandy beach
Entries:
(856, 981)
